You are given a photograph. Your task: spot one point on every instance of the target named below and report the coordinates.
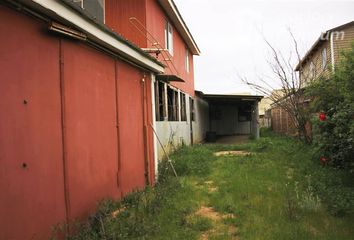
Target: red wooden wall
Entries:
(31, 169)
(78, 138)
(117, 14)
(155, 22)
(150, 13)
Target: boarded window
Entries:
(160, 101)
(172, 100)
(191, 108)
(183, 107)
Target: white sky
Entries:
(230, 33)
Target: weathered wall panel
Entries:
(117, 15)
(130, 116)
(31, 167)
(50, 73)
(90, 127)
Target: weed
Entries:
(250, 190)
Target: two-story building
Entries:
(158, 28)
(89, 88)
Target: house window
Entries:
(324, 58)
(172, 101)
(169, 37)
(312, 71)
(160, 101)
(94, 7)
(183, 107)
(187, 61)
(191, 108)
(80, 3)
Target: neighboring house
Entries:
(320, 60)
(84, 86)
(325, 53)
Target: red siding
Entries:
(93, 153)
(151, 15)
(90, 127)
(130, 117)
(117, 15)
(32, 198)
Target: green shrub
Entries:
(194, 160)
(334, 97)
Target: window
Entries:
(183, 107)
(172, 100)
(94, 7)
(187, 61)
(191, 108)
(244, 114)
(80, 3)
(160, 101)
(324, 58)
(312, 71)
(169, 37)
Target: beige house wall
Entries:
(342, 39)
(342, 44)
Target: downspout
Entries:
(332, 51)
(63, 132)
(145, 132)
(117, 124)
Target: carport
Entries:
(232, 115)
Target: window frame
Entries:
(183, 106)
(160, 101)
(173, 104)
(192, 109)
(81, 4)
(312, 70)
(187, 62)
(169, 37)
(324, 58)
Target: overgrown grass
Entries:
(277, 192)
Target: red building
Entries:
(78, 104)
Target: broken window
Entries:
(172, 100)
(183, 107)
(160, 101)
(191, 109)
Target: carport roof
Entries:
(225, 98)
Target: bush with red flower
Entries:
(333, 126)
